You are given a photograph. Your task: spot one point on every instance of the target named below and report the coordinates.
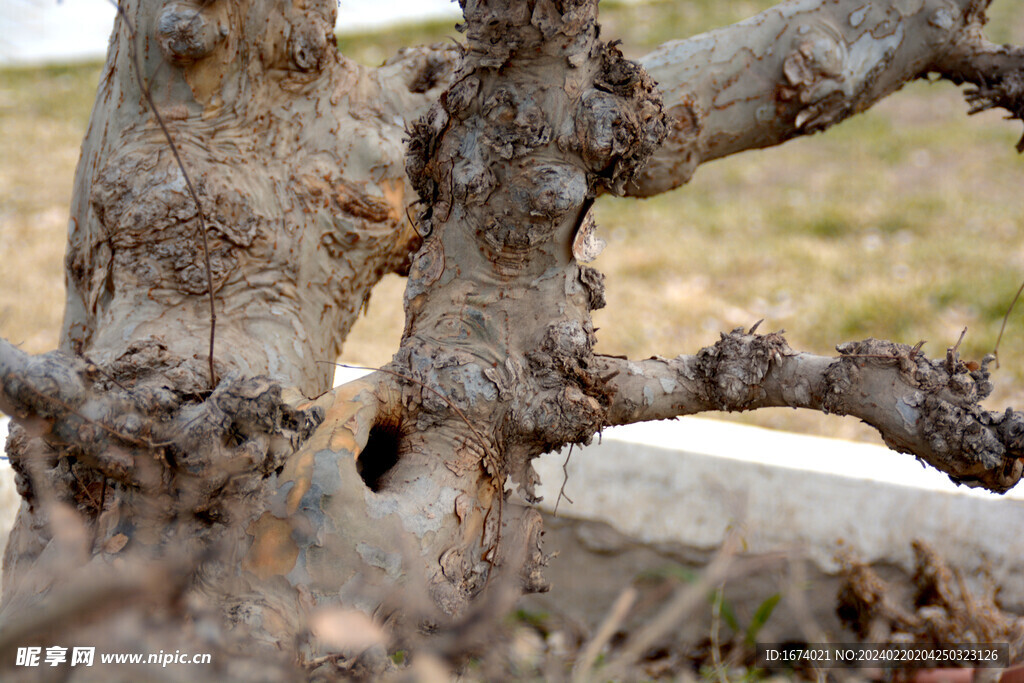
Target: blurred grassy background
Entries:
(902, 223)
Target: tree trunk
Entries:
(166, 455)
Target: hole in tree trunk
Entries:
(380, 453)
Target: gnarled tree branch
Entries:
(801, 67)
(930, 409)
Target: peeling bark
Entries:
(805, 65)
(929, 409)
(297, 157)
(279, 505)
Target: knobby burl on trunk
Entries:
(496, 363)
(277, 505)
(541, 119)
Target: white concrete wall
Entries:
(34, 31)
(9, 498)
(690, 481)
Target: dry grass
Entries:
(902, 223)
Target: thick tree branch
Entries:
(802, 66)
(929, 409)
(296, 155)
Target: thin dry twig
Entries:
(687, 599)
(144, 87)
(1006, 318)
(616, 615)
(565, 480)
(716, 626)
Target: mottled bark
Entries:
(805, 65)
(297, 157)
(298, 160)
(496, 363)
(929, 409)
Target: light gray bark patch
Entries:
(857, 16)
(391, 563)
(326, 478)
(277, 504)
(299, 574)
(475, 383)
(908, 413)
(942, 19)
(422, 504)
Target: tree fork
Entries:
(404, 481)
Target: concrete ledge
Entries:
(687, 482)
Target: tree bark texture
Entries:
(805, 65)
(281, 502)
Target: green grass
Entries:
(901, 223)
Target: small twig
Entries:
(956, 347)
(999, 339)
(953, 354)
(716, 624)
(616, 615)
(565, 480)
(103, 498)
(144, 87)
